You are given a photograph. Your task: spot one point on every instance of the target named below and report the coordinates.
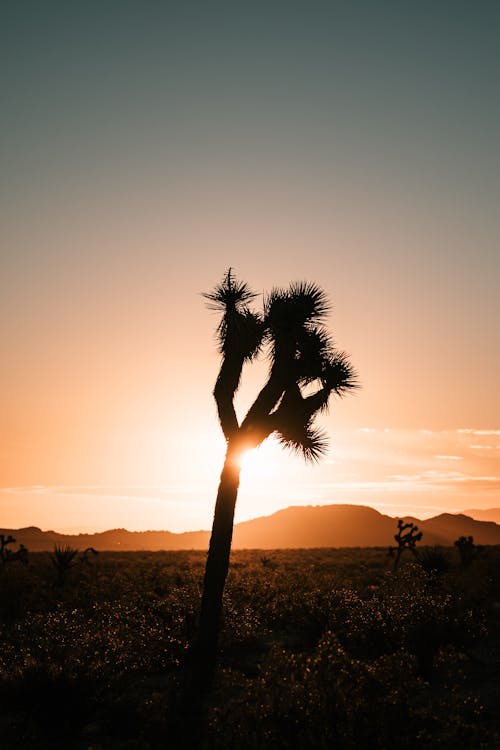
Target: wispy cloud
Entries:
(477, 447)
(147, 493)
(469, 431)
(433, 479)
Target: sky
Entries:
(147, 147)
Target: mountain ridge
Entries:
(336, 525)
(484, 514)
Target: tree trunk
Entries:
(188, 723)
(217, 566)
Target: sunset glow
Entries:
(145, 154)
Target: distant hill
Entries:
(114, 540)
(490, 514)
(448, 526)
(294, 527)
(353, 526)
(317, 526)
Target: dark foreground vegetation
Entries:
(319, 649)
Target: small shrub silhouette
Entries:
(8, 555)
(407, 537)
(84, 557)
(63, 559)
(4, 542)
(434, 561)
(466, 549)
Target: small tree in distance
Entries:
(301, 354)
(407, 537)
(466, 549)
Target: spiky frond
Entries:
(310, 299)
(314, 348)
(229, 295)
(292, 322)
(277, 312)
(63, 557)
(240, 333)
(308, 441)
(339, 375)
(300, 305)
(293, 423)
(239, 336)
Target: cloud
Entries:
(34, 489)
(436, 474)
(484, 447)
(145, 494)
(376, 429)
(448, 458)
(468, 431)
(380, 486)
(405, 477)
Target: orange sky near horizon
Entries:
(146, 152)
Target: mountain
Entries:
(490, 514)
(317, 526)
(294, 527)
(353, 526)
(116, 540)
(448, 526)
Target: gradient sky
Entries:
(145, 148)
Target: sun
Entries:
(257, 462)
(265, 483)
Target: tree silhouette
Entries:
(305, 370)
(407, 537)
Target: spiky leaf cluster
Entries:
(301, 355)
(240, 331)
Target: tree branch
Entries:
(266, 400)
(226, 386)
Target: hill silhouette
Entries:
(317, 526)
(293, 527)
(488, 514)
(113, 540)
(451, 526)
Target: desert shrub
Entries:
(328, 648)
(16, 590)
(322, 700)
(47, 709)
(434, 561)
(328, 699)
(104, 640)
(8, 555)
(467, 550)
(425, 619)
(63, 558)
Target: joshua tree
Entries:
(4, 542)
(305, 370)
(85, 556)
(407, 537)
(8, 555)
(466, 549)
